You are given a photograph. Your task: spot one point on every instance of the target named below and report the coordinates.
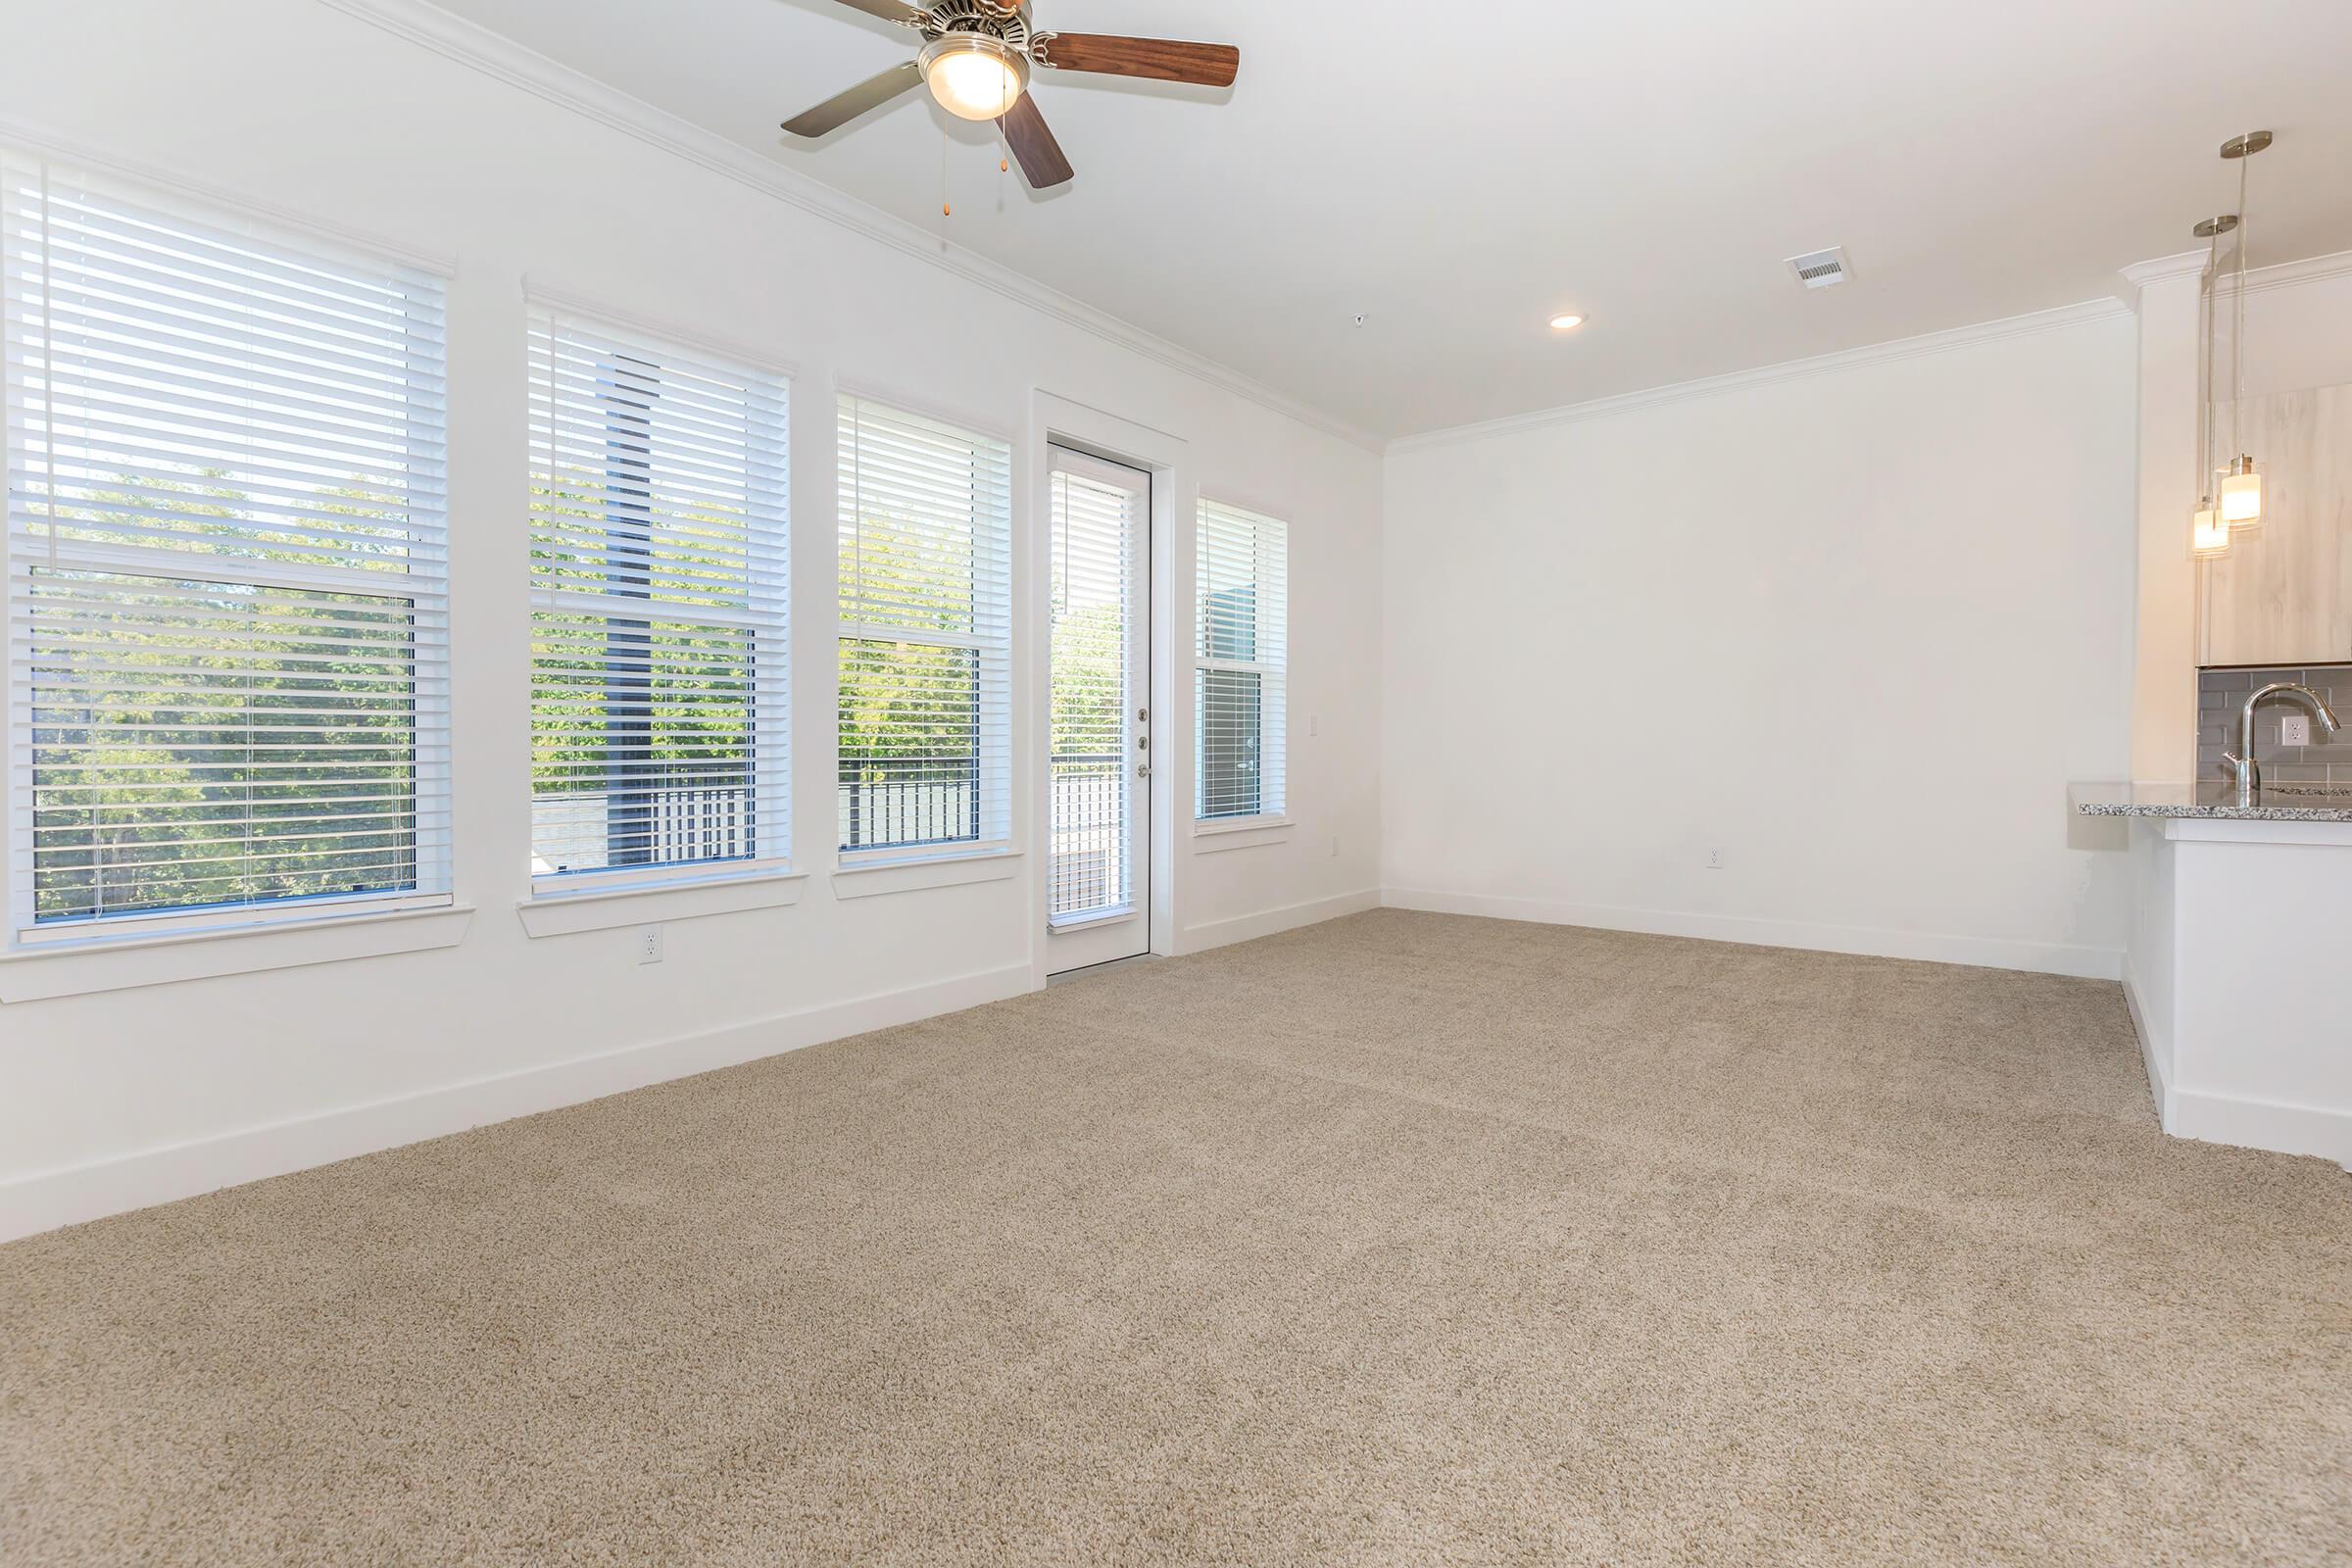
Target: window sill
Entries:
(1240, 833)
(558, 915)
(873, 878)
(122, 963)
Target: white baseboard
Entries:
(1266, 922)
(46, 1200)
(2287, 1129)
(2088, 963)
(2152, 1053)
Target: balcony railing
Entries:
(1087, 870)
(908, 800)
(900, 801)
(579, 831)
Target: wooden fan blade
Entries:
(887, 10)
(844, 107)
(1209, 65)
(1033, 144)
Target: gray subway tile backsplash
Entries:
(2221, 693)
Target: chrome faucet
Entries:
(2241, 761)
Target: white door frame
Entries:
(1057, 420)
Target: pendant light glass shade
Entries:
(2208, 534)
(2241, 495)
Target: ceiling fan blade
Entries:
(1209, 65)
(887, 10)
(1033, 144)
(844, 107)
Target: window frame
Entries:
(40, 958)
(863, 869)
(1270, 561)
(686, 887)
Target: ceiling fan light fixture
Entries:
(973, 76)
(1566, 323)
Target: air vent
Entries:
(1821, 268)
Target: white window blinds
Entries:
(659, 602)
(226, 597)
(1242, 600)
(926, 526)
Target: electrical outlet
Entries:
(649, 944)
(1715, 859)
(2294, 729)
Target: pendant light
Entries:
(2208, 534)
(2240, 491)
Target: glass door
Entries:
(1098, 739)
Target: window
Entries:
(926, 525)
(226, 596)
(659, 537)
(1243, 602)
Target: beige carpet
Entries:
(1402, 1240)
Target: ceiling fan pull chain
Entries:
(944, 209)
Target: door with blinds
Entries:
(1099, 743)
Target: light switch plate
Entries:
(2294, 729)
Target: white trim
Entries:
(122, 965)
(2180, 263)
(1959, 337)
(1986, 953)
(2278, 1126)
(46, 1200)
(1076, 424)
(556, 915)
(2152, 1052)
(2286, 275)
(2244, 1123)
(1269, 922)
(507, 61)
(1217, 835)
(871, 878)
(1206, 825)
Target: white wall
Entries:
(1857, 628)
(131, 1096)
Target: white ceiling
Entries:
(1458, 173)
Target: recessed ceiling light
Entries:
(1563, 323)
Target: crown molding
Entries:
(2186, 263)
(502, 59)
(2288, 274)
(1907, 347)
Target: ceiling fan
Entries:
(976, 58)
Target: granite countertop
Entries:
(2217, 799)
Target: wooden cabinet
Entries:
(2283, 593)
